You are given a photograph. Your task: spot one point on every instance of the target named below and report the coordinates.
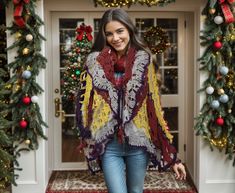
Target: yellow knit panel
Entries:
(153, 87)
(85, 102)
(141, 119)
(101, 112)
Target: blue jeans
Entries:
(124, 168)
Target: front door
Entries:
(171, 66)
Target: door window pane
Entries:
(67, 36)
(171, 116)
(169, 81)
(96, 26)
(70, 141)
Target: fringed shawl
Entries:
(99, 115)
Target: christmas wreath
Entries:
(156, 39)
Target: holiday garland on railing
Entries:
(216, 120)
(22, 87)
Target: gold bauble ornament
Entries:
(230, 111)
(18, 35)
(220, 91)
(25, 51)
(212, 11)
(27, 141)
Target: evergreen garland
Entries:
(216, 120)
(24, 121)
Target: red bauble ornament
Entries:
(217, 45)
(26, 100)
(23, 124)
(220, 121)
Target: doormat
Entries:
(84, 182)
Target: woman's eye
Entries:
(120, 31)
(108, 34)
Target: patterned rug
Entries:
(84, 182)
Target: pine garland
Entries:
(22, 88)
(216, 120)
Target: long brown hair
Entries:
(118, 14)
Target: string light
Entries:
(128, 3)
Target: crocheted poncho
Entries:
(103, 109)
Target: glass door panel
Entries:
(65, 139)
(67, 29)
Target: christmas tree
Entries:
(216, 121)
(76, 56)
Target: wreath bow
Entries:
(84, 30)
(225, 6)
(19, 6)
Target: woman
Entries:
(119, 113)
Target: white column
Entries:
(34, 175)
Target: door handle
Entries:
(59, 112)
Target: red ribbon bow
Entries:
(19, 6)
(228, 15)
(84, 30)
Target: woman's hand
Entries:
(179, 170)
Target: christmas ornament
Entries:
(27, 141)
(26, 100)
(217, 45)
(218, 20)
(25, 51)
(223, 70)
(26, 74)
(220, 91)
(215, 104)
(212, 11)
(18, 35)
(220, 121)
(34, 99)
(230, 111)
(29, 37)
(224, 98)
(23, 124)
(209, 90)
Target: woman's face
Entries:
(117, 36)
